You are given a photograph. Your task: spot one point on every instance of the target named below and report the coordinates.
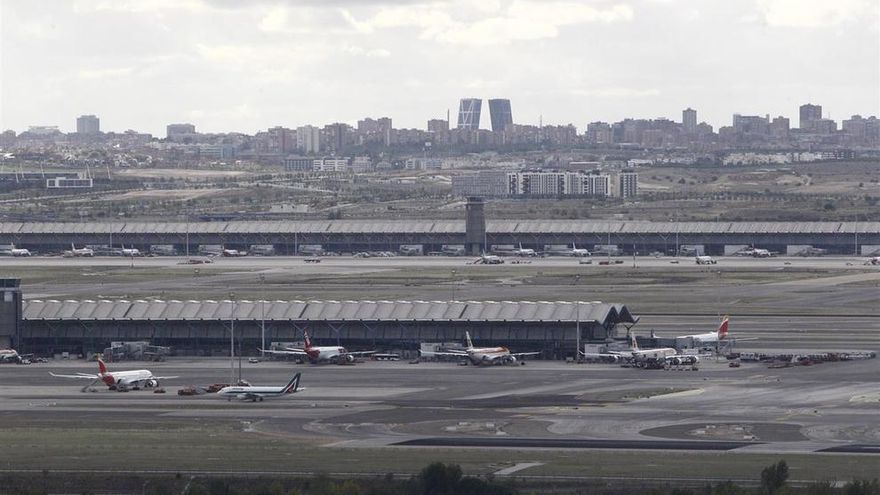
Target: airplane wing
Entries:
(444, 353)
(361, 353)
(521, 354)
(79, 375)
(164, 377)
(286, 352)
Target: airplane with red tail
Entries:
(320, 354)
(119, 380)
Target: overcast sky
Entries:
(230, 65)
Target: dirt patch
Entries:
(766, 432)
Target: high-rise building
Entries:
(809, 113)
(628, 184)
(88, 124)
(438, 125)
(174, 130)
(308, 139)
(689, 120)
(469, 113)
(500, 114)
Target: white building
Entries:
(308, 139)
(330, 165)
(361, 164)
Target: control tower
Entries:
(10, 312)
(475, 226)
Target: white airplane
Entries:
(119, 380)
(754, 252)
(320, 354)
(79, 253)
(569, 251)
(14, 251)
(9, 356)
(258, 394)
(705, 260)
(489, 259)
(482, 355)
(233, 253)
(130, 252)
(520, 251)
(643, 358)
(873, 261)
(711, 337)
(579, 252)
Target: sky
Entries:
(246, 65)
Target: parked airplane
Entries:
(14, 251)
(482, 355)
(569, 251)
(705, 260)
(320, 354)
(520, 251)
(646, 358)
(130, 252)
(85, 252)
(754, 252)
(119, 380)
(258, 394)
(233, 253)
(488, 259)
(710, 337)
(873, 261)
(9, 356)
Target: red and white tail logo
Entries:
(306, 339)
(722, 328)
(102, 367)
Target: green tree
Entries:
(440, 479)
(774, 476)
(862, 487)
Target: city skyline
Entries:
(228, 67)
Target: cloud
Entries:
(814, 13)
(104, 73)
(139, 6)
(493, 25)
(616, 92)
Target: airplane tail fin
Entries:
(306, 339)
(292, 385)
(723, 328)
(101, 366)
(633, 343)
(467, 337)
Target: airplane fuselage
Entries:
(490, 355)
(129, 379)
(328, 353)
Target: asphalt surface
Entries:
(541, 404)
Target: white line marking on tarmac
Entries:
(517, 467)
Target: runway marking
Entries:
(517, 467)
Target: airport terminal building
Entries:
(289, 237)
(203, 327)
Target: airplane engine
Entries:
(349, 358)
(151, 383)
(676, 361)
(509, 359)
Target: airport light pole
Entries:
(577, 353)
(453, 285)
(262, 315)
(232, 338)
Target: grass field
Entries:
(199, 446)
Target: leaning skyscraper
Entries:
(469, 113)
(499, 112)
